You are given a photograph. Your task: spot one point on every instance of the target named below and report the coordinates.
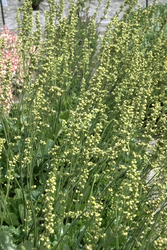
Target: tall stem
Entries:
(117, 238)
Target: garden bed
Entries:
(74, 147)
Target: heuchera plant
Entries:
(10, 50)
(9, 65)
(82, 156)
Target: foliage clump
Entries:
(83, 149)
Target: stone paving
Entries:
(10, 9)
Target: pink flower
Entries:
(9, 54)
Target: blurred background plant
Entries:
(10, 61)
(75, 148)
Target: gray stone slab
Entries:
(4, 3)
(10, 10)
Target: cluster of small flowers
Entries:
(9, 52)
(9, 56)
(9, 99)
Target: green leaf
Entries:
(21, 212)
(6, 242)
(64, 115)
(86, 193)
(49, 144)
(12, 230)
(27, 245)
(35, 194)
(58, 130)
(19, 194)
(11, 219)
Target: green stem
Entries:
(117, 238)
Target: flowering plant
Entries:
(81, 165)
(9, 66)
(9, 51)
(35, 4)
